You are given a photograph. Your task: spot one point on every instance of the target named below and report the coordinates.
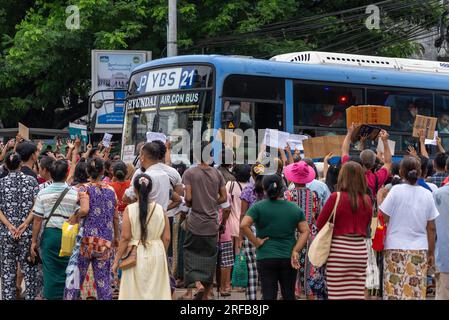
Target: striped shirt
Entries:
(47, 198)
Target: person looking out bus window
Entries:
(328, 117)
(443, 123)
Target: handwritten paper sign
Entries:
(275, 138)
(78, 130)
(320, 146)
(427, 124)
(24, 131)
(296, 141)
(433, 142)
(391, 144)
(155, 136)
(368, 114)
(229, 138)
(128, 153)
(365, 130)
(107, 140)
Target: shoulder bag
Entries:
(129, 259)
(320, 248)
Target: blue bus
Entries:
(301, 93)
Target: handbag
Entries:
(320, 247)
(129, 259)
(380, 234)
(68, 240)
(240, 271)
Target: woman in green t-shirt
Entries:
(276, 221)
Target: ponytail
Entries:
(143, 186)
(273, 186)
(412, 176)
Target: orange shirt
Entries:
(120, 188)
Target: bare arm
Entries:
(175, 201)
(126, 236)
(168, 153)
(431, 235)
(179, 189)
(388, 160)
(223, 195)
(422, 144)
(188, 196)
(246, 230)
(347, 142)
(166, 233)
(283, 156)
(8, 224)
(304, 233)
(37, 224)
(440, 146)
(74, 155)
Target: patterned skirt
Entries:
(346, 268)
(405, 274)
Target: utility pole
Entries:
(172, 46)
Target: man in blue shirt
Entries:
(441, 197)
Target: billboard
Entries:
(111, 69)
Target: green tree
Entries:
(45, 67)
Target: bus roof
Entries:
(226, 65)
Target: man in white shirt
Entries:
(149, 160)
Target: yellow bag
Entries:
(68, 240)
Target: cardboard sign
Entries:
(391, 144)
(433, 142)
(107, 140)
(428, 124)
(368, 114)
(275, 138)
(320, 146)
(229, 138)
(365, 130)
(154, 136)
(128, 153)
(24, 131)
(78, 130)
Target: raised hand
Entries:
(411, 151)
(384, 135)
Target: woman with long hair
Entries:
(146, 226)
(409, 212)
(276, 221)
(348, 258)
(310, 283)
(251, 194)
(100, 233)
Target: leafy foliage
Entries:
(45, 67)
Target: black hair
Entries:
(242, 172)
(356, 159)
(26, 149)
(447, 165)
(410, 169)
(92, 152)
(273, 186)
(332, 177)
(107, 168)
(143, 185)
(424, 165)
(59, 170)
(80, 175)
(395, 167)
(12, 160)
(151, 150)
(258, 186)
(162, 149)
(120, 170)
(440, 161)
(46, 162)
(310, 163)
(181, 167)
(95, 168)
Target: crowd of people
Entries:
(144, 231)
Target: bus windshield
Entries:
(163, 100)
